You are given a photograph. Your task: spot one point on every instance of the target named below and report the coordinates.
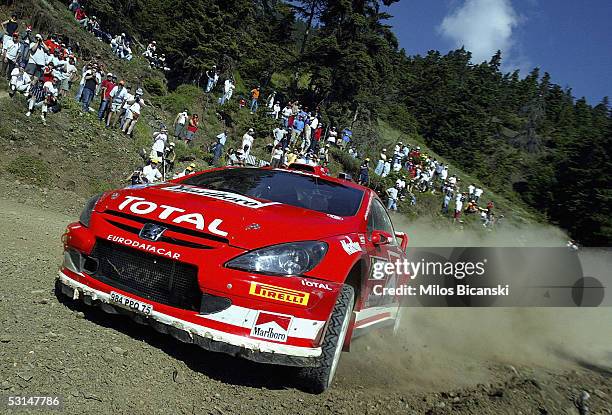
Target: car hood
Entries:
(243, 221)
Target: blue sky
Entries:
(572, 40)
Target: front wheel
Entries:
(319, 378)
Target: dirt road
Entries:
(446, 361)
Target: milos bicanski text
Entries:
(382, 270)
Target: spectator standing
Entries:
(179, 123)
(285, 114)
(10, 51)
(117, 95)
(477, 194)
(38, 57)
(228, 90)
(89, 87)
(9, 27)
(392, 193)
(247, 142)
(26, 40)
(364, 176)
(105, 90)
(254, 99)
(219, 146)
(192, 128)
(133, 113)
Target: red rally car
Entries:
(271, 265)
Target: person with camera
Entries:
(38, 57)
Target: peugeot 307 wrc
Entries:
(272, 265)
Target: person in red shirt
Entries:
(47, 75)
(81, 16)
(106, 87)
(192, 128)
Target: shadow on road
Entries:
(218, 366)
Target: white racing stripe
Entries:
(217, 335)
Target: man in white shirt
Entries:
(132, 115)
(247, 142)
(20, 81)
(332, 136)
(228, 90)
(157, 151)
(276, 110)
(118, 96)
(10, 49)
(279, 133)
(392, 202)
(477, 193)
(188, 170)
(38, 57)
(277, 156)
(219, 145)
(150, 171)
(286, 113)
(179, 123)
(471, 188)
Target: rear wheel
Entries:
(319, 378)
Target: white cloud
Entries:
(483, 27)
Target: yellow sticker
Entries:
(273, 292)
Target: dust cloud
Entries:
(448, 348)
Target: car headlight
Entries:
(293, 258)
(85, 217)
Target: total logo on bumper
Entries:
(271, 326)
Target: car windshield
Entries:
(304, 191)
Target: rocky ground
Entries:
(446, 361)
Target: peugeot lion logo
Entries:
(151, 231)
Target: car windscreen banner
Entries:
(496, 277)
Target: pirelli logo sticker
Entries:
(284, 295)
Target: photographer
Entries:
(38, 57)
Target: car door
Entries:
(378, 308)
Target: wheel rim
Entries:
(341, 337)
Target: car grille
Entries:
(149, 276)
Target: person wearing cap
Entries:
(132, 115)
(364, 177)
(10, 50)
(105, 99)
(188, 170)
(169, 156)
(20, 80)
(129, 99)
(219, 146)
(247, 142)
(179, 123)
(74, 4)
(38, 57)
(192, 128)
(150, 172)
(159, 143)
(117, 96)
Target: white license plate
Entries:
(131, 304)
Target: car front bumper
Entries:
(189, 332)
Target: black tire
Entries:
(318, 379)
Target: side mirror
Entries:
(404, 238)
(381, 238)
